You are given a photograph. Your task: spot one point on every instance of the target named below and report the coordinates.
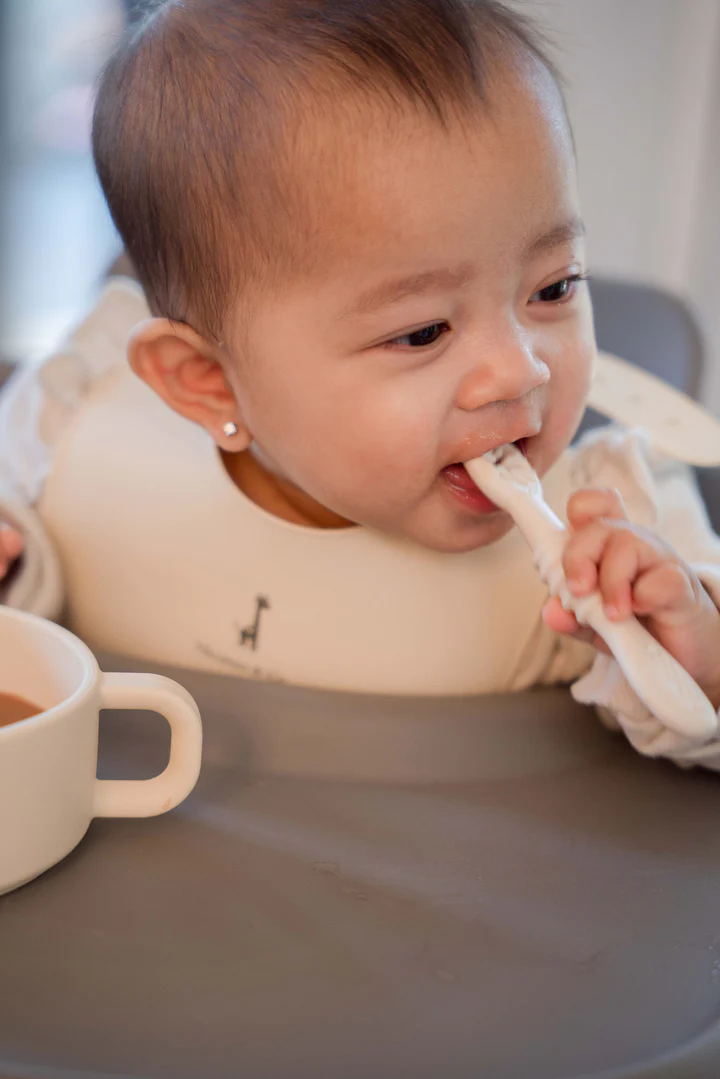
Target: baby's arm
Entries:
(30, 577)
(35, 409)
(668, 574)
(29, 570)
(637, 573)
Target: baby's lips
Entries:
(459, 475)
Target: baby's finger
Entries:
(5, 563)
(11, 547)
(582, 555)
(559, 620)
(667, 587)
(11, 543)
(626, 556)
(590, 503)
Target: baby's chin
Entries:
(461, 537)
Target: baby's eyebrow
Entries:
(395, 289)
(564, 233)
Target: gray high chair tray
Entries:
(373, 888)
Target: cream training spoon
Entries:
(663, 685)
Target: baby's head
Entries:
(357, 225)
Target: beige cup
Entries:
(49, 792)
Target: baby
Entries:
(357, 229)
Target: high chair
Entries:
(365, 886)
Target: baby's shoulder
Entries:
(43, 399)
(98, 344)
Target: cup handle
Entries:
(149, 797)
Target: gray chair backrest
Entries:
(656, 331)
(651, 328)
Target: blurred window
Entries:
(57, 236)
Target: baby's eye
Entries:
(428, 335)
(560, 291)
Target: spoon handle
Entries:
(662, 684)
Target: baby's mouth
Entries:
(465, 490)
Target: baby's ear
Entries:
(185, 370)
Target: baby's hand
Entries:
(636, 573)
(11, 547)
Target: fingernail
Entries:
(611, 610)
(578, 584)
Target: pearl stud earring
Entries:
(230, 429)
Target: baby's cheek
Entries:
(390, 427)
(384, 455)
(570, 385)
(364, 443)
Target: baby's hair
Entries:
(204, 108)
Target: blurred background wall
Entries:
(644, 97)
(56, 235)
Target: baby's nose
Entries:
(505, 374)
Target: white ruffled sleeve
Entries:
(35, 408)
(662, 495)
